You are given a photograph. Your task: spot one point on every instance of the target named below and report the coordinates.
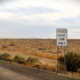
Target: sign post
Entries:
(57, 58)
(64, 61)
(61, 35)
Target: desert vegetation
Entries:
(72, 61)
(30, 62)
(5, 56)
(39, 53)
(19, 59)
(46, 56)
(12, 44)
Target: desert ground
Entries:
(43, 49)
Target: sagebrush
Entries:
(5, 56)
(19, 59)
(72, 61)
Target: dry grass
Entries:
(51, 67)
(45, 56)
(39, 45)
(45, 67)
(61, 68)
(39, 66)
(12, 44)
(75, 74)
(44, 49)
(27, 64)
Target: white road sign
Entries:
(61, 37)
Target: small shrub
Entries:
(72, 61)
(19, 59)
(12, 44)
(32, 61)
(4, 56)
(4, 46)
(61, 59)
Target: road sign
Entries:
(61, 37)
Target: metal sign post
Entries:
(64, 61)
(57, 59)
(61, 35)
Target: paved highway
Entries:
(6, 74)
(9, 71)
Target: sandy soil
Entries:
(29, 47)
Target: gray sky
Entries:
(39, 18)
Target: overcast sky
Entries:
(39, 18)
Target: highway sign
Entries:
(61, 37)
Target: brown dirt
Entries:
(43, 49)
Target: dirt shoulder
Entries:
(33, 73)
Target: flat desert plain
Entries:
(43, 49)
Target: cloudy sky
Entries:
(39, 18)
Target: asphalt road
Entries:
(6, 74)
(9, 71)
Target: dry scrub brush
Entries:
(12, 44)
(32, 61)
(19, 59)
(45, 67)
(45, 56)
(4, 46)
(72, 61)
(5, 56)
